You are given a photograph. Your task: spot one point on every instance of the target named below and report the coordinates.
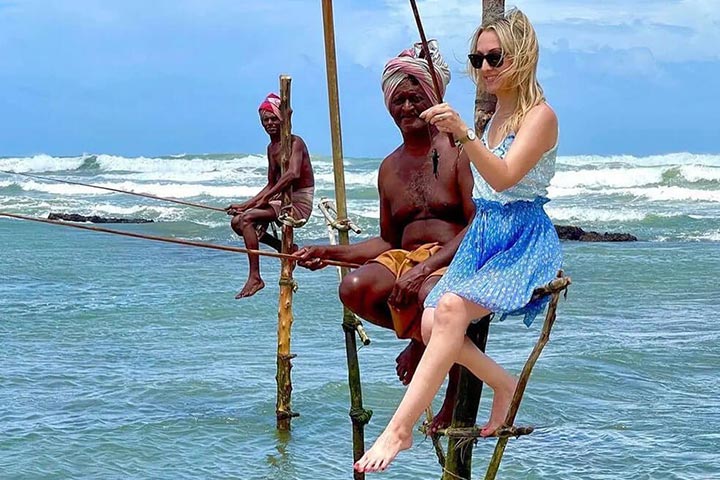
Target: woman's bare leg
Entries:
(447, 344)
(486, 369)
(450, 320)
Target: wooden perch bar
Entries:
(474, 432)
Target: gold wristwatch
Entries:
(469, 136)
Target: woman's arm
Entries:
(537, 134)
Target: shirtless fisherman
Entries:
(423, 217)
(252, 217)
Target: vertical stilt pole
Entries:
(283, 406)
(458, 463)
(485, 102)
(359, 416)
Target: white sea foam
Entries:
(111, 163)
(608, 177)
(654, 194)
(351, 178)
(584, 214)
(674, 194)
(41, 163)
(712, 236)
(698, 173)
(173, 190)
(670, 159)
(228, 176)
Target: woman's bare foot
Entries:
(383, 451)
(252, 286)
(501, 403)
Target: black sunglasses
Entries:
(494, 58)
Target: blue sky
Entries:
(174, 76)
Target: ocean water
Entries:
(122, 358)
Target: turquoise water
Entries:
(124, 358)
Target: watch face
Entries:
(471, 134)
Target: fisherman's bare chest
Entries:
(412, 191)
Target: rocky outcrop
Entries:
(569, 232)
(74, 217)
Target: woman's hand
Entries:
(445, 119)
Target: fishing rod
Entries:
(179, 241)
(436, 85)
(146, 195)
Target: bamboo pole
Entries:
(179, 241)
(433, 75)
(359, 416)
(283, 406)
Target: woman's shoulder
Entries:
(542, 113)
(542, 123)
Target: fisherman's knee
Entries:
(236, 222)
(350, 291)
(247, 219)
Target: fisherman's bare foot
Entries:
(501, 403)
(444, 417)
(408, 360)
(252, 286)
(383, 451)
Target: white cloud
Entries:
(669, 31)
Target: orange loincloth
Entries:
(406, 320)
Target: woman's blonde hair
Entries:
(519, 43)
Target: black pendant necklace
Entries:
(435, 160)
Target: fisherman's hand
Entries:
(263, 201)
(235, 208)
(311, 257)
(406, 289)
(446, 119)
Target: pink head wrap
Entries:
(408, 62)
(271, 104)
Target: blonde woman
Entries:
(510, 248)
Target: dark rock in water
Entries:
(570, 232)
(74, 217)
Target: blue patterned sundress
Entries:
(511, 246)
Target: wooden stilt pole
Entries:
(485, 102)
(359, 416)
(458, 463)
(283, 406)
